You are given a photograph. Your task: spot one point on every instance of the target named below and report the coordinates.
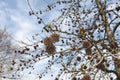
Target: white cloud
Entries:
(25, 27)
(18, 20)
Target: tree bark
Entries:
(110, 34)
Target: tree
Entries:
(7, 55)
(83, 41)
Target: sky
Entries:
(14, 16)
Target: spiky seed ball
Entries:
(78, 58)
(86, 44)
(47, 41)
(86, 77)
(51, 49)
(55, 37)
(74, 78)
(111, 78)
(88, 51)
(101, 66)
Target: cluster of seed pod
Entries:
(87, 45)
(86, 77)
(48, 42)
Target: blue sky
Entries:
(14, 16)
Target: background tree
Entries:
(83, 42)
(7, 55)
